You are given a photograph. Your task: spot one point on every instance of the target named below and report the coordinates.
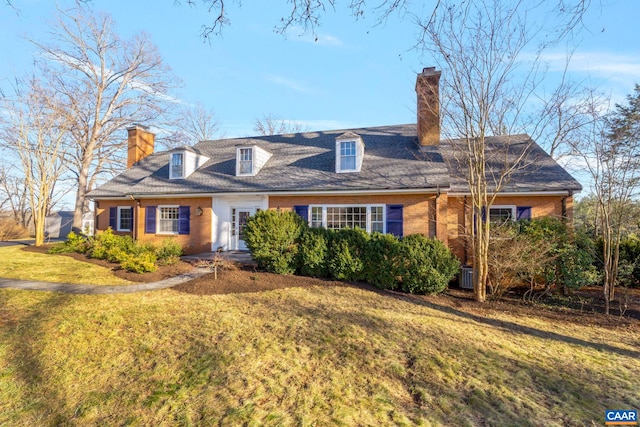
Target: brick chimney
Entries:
(427, 89)
(141, 143)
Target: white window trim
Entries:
(120, 208)
(339, 143)
(158, 215)
(171, 175)
(512, 207)
(354, 205)
(239, 159)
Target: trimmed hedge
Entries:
(283, 243)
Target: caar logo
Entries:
(621, 417)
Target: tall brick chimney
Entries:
(141, 143)
(428, 91)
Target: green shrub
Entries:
(572, 256)
(141, 263)
(346, 252)
(74, 243)
(382, 260)
(169, 252)
(427, 265)
(313, 250)
(272, 238)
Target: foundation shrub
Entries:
(169, 252)
(382, 260)
(130, 254)
(74, 243)
(426, 265)
(313, 251)
(272, 237)
(346, 254)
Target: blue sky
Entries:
(355, 74)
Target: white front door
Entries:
(239, 218)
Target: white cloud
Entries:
(603, 64)
(288, 83)
(300, 34)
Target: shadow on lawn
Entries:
(24, 337)
(517, 328)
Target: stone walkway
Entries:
(70, 288)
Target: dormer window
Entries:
(246, 161)
(349, 153)
(249, 160)
(177, 166)
(348, 156)
(185, 161)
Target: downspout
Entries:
(136, 213)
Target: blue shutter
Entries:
(113, 218)
(303, 211)
(183, 219)
(523, 212)
(150, 221)
(394, 220)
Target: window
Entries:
(377, 219)
(169, 220)
(177, 166)
(502, 214)
(125, 218)
(366, 217)
(348, 155)
(246, 161)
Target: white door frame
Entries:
(236, 243)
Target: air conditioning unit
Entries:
(466, 278)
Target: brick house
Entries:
(393, 179)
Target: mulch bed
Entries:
(163, 272)
(581, 307)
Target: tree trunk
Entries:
(82, 204)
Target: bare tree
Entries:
(106, 85)
(307, 14)
(490, 54)
(15, 197)
(273, 125)
(611, 155)
(35, 129)
(193, 123)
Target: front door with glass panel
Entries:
(239, 221)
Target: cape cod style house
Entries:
(392, 179)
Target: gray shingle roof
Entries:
(306, 162)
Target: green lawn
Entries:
(19, 264)
(302, 356)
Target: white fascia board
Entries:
(295, 193)
(522, 193)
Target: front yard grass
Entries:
(318, 355)
(23, 265)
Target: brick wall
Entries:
(199, 237)
(415, 206)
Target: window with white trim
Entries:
(125, 218)
(168, 219)
(347, 155)
(336, 217)
(502, 214)
(246, 161)
(177, 166)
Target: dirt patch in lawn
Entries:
(163, 272)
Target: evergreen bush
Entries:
(272, 238)
(382, 260)
(313, 251)
(427, 265)
(346, 252)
